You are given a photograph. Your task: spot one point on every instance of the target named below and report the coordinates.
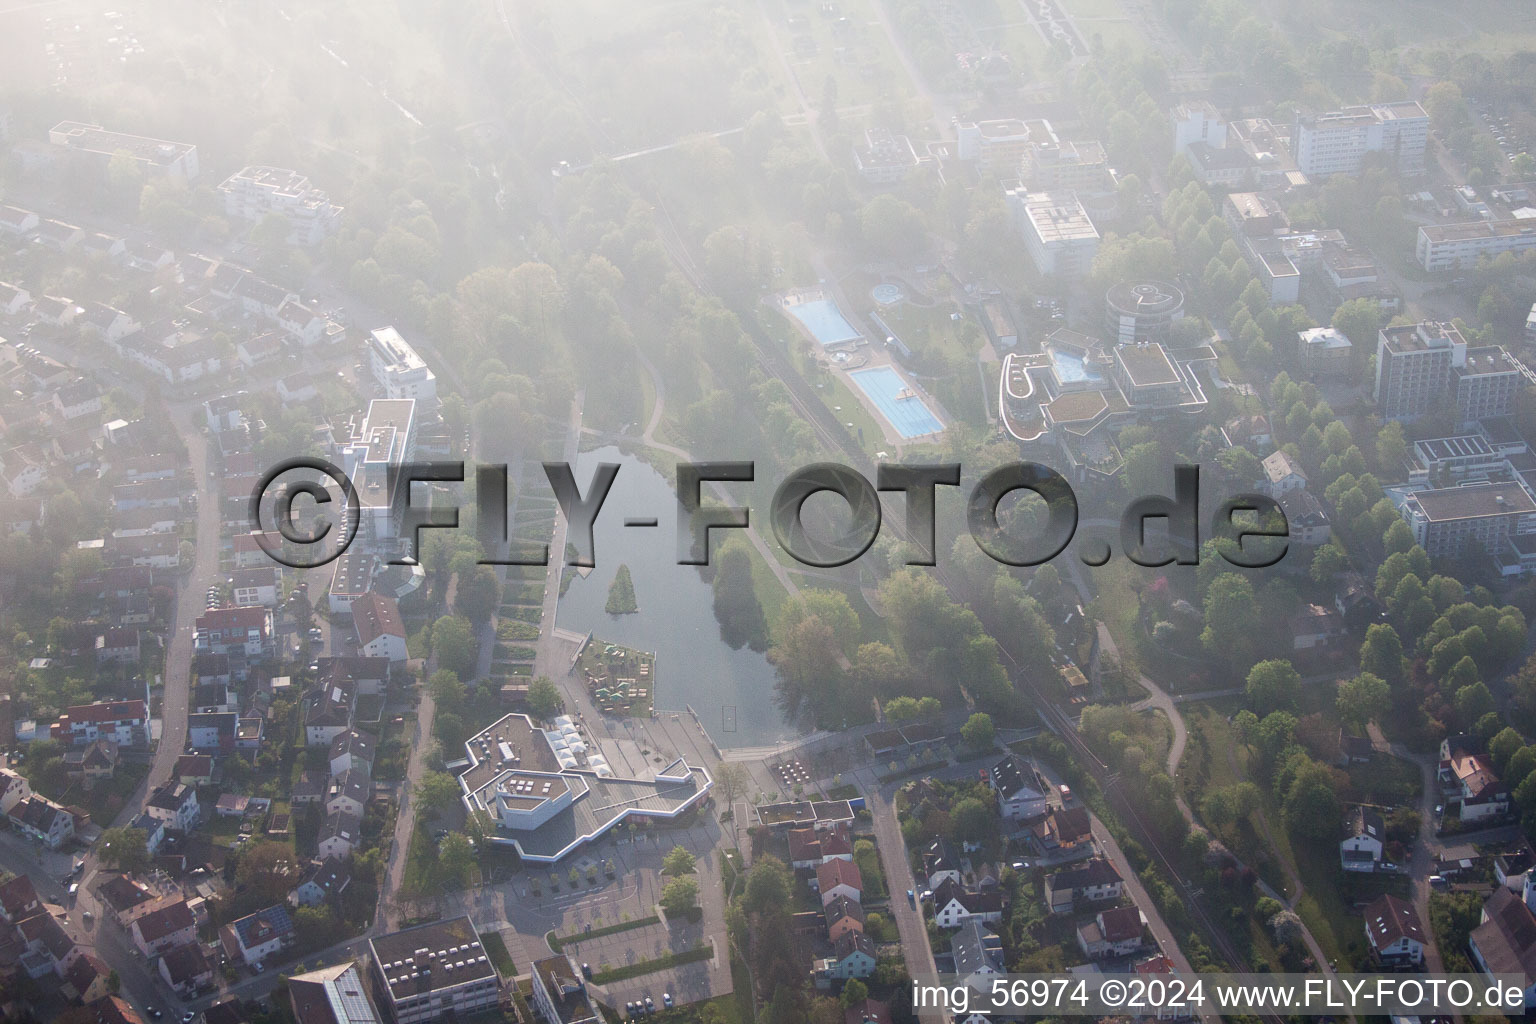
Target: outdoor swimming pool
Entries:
(825, 322)
(1070, 368)
(906, 412)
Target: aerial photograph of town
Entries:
(767, 511)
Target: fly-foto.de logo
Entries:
(300, 502)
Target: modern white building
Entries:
(381, 441)
(1338, 142)
(434, 971)
(1057, 231)
(1413, 367)
(548, 794)
(1445, 247)
(254, 193)
(158, 157)
(398, 369)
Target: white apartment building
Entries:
(1337, 142)
(398, 369)
(176, 160)
(1057, 231)
(254, 192)
(1443, 247)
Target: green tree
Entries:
(434, 791)
(1232, 620)
(737, 608)
(1273, 686)
(1473, 702)
(854, 992)
(123, 849)
(453, 643)
(1503, 746)
(1311, 805)
(678, 861)
(680, 895)
(446, 689)
(1381, 654)
(1362, 698)
(1359, 320)
(978, 731)
(456, 858)
(544, 698)
(477, 593)
(973, 819)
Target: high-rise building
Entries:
(1413, 367)
(1446, 520)
(433, 971)
(1487, 384)
(1057, 231)
(398, 369)
(1337, 142)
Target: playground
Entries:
(620, 680)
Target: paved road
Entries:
(910, 925)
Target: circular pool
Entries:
(887, 294)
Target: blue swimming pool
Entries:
(1070, 368)
(825, 322)
(902, 408)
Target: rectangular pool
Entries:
(825, 322)
(901, 407)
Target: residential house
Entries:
(249, 730)
(215, 732)
(1305, 518)
(19, 900)
(193, 770)
(1481, 793)
(853, 956)
(159, 930)
(259, 586)
(119, 645)
(1021, 793)
(380, 630)
(86, 979)
(96, 760)
(941, 863)
(1116, 932)
(175, 804)
(80, 397)
(1315, 626)
(123, 897)
(1159, 967)
(348, 794)
(321, 881)
(309, 789)
(186, 970)
(1091, 882)
(867, 1011)
(246, 630)
(839, 878)
(257, 936)
(339, 835)
(14, 788)
(953, 905)
(1361, 849)
(352, 751)
(843, 915)
(43, 820)
(1282, 475)
(1250, 431)
(1505, 940)
(977, 951)
(1393, 930)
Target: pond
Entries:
(732, 691)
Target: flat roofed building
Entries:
(157, 156)
(397, 367)
(253, 193)
(1057, 231)
(547, 805)
(1413, 367)
(1444, 247)
(385, 437)
(998, 146)
(1323, 349)
(433, 970)
(885, 158)
(1487, 383)
(559, 994)
(1445, 520)
(1339, 141)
